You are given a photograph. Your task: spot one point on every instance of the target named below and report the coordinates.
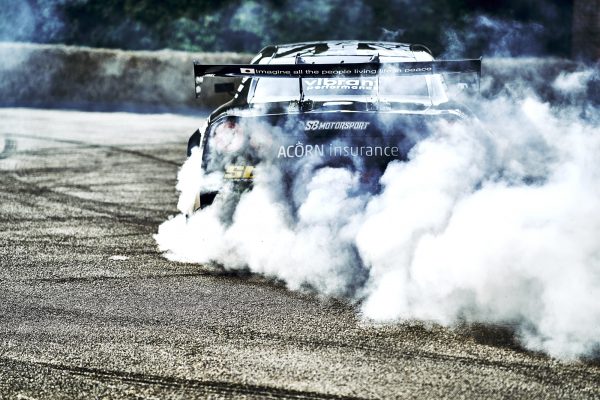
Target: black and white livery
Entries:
(305, 106)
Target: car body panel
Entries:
(336, 127)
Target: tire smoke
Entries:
(490, 228)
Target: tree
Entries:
(586, 29)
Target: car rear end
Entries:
(341, 111)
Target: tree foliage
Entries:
(529, 26)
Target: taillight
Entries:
(228, 137)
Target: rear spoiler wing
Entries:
(335, 70)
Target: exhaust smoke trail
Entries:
(473, 227)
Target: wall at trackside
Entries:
(67, 76)
(58, 76)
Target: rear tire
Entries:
(194, 141)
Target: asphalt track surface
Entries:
(89, 308)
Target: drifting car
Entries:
(304, 106)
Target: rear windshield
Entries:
(393, 88)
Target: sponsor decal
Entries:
(254, 71)
(340, 84)
(339, 125)
(415, 70)
(301, 150)
(239, 172)
(342, 77)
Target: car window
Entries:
(275, 89)
(389, 87)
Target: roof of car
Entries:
(344, 48)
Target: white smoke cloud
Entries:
(572, 83)
(492, 228)
(517, 253)
(495, 37)
(39, 21)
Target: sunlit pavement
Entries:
(89, 308)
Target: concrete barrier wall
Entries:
(101, 79)
(68, 76)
